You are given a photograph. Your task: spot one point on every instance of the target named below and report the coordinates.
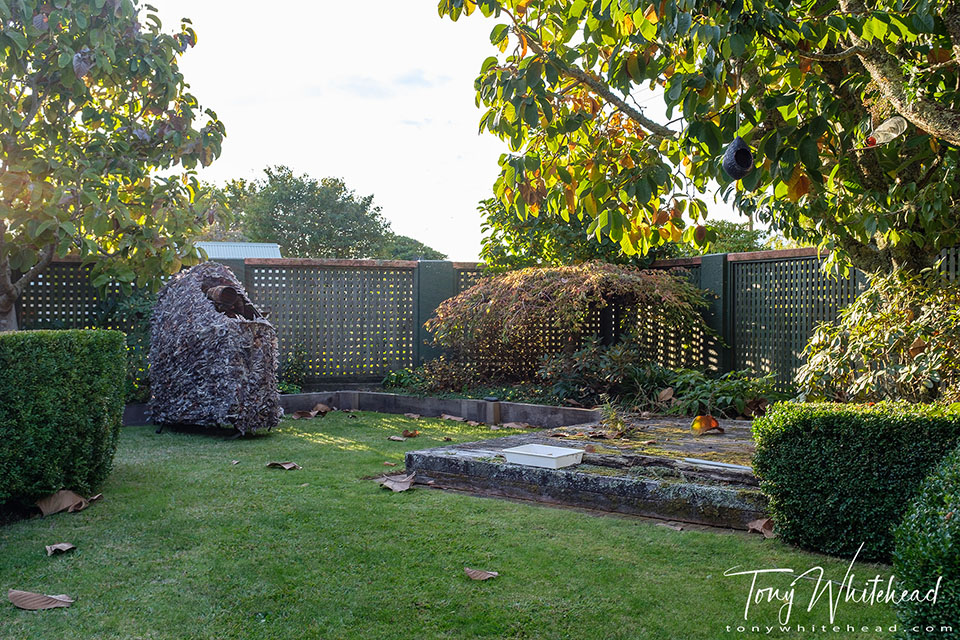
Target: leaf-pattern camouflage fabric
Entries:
(208, 367)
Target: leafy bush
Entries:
(899, 340)
(61, 412)
(592, 372)
(500, 329)
(928, 548)
(839, 476)
(292, 372)
(131, 314)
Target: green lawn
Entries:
(186, 545)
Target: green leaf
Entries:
(809, 153)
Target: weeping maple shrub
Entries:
(500, 330)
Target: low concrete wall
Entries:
(478, 410)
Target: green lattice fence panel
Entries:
(354, 322)
(950, 264)
(467, 275)
(777, 304)
(61, 297)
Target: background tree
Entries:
(93, 109)
(396, 247)
(312, 218)
(811, 80)
(732, 237)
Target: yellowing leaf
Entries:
(651, 14)
(469, 6)
(798, 185)
(702, 424)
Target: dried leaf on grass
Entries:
(319, 409)
(516, 425)
(670, 525)
(702, 424)
(396, 438)
(234, 462)
(447, 439)
(410, 434)
(665, 395)
(398, 483)
(64, 500)
(60, 547)
(474, 423)
(36, 601)
(389, 464)
(762, 526)
(413, 416)
(287, 466)
(494, 427)
(447, 416)
(479, 574)
(558, 434)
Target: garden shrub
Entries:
(131, 313)
(839, 475)
(293, 369)
(928, 548)
(61, 406)
(500, 329)
(899, 340)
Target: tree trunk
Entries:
(8, 314)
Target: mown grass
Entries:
(186, 545)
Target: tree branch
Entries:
(46, 257)
(819, 57)
(6, 286)
(657, 130)
(934, 118)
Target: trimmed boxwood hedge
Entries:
(839, 475)
(928, 548)
(61, 407)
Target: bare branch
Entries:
(819, 57)
(6, 286)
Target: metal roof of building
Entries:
(240, 250)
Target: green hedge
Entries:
(61, 406)
(928, 548)
(839, 475)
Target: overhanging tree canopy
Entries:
(810, 80)
(93, 109)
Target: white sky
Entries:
(378, 93)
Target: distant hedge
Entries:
(839, 475)
(61, 406)
(928, 550)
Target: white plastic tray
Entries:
(542, 455)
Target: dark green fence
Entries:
(360, 319)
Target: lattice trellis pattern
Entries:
(353, 323)
(466, 278)
(777, 304)
(61, 298)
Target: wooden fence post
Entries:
(433, 282)
(715, 278)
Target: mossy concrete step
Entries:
(660, 487)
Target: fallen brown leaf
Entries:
(319, 408)
(516, 425)
(474, 423)
(557, 434)
(447, 439)
(63, 500)
(389, 464)
(305, 484)
(447, 416)
(398, 483)
(590, 448)
(234, 462)
(702, 424)
(287, 466)
(648, 442)
(396, 438)
(36, 601)
(410, 434)
(60, 547)
(665, 395)
(669, 525)
(763, 526)
(494, 427)
(479, 574)
(413, 416)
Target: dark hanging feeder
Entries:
(738, 159)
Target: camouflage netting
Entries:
(213, 357)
